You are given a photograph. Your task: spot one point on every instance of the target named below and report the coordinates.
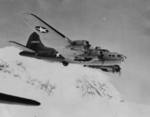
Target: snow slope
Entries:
(72, 91)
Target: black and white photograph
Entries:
(74, 58)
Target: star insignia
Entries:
(41, 29)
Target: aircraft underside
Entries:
(113, 68)
(107, 66)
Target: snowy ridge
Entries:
(88, 82)
(72, 91)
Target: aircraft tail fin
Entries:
(34, 42)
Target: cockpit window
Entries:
(97, 48)
(104, 50)
(87, 44)
(118, 55)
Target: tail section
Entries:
(34, 42)
(22, 47)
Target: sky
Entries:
(118, 25)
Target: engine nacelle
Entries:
(84, 43)
(65, 63)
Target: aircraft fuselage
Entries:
(45, 55)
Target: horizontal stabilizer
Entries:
(9, 99)
(21, 46)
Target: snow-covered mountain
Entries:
(72, 91)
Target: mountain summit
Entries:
(72, 91)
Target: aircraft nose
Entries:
(123, 58)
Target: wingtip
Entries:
(29, 14)
(33, 103)
(10, 41)
(15, 100)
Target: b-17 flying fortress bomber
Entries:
(64, 50)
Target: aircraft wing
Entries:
(9, 99)
(22, 47)
(54, 38)
(46, 31)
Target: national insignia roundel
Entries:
(41, 29)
